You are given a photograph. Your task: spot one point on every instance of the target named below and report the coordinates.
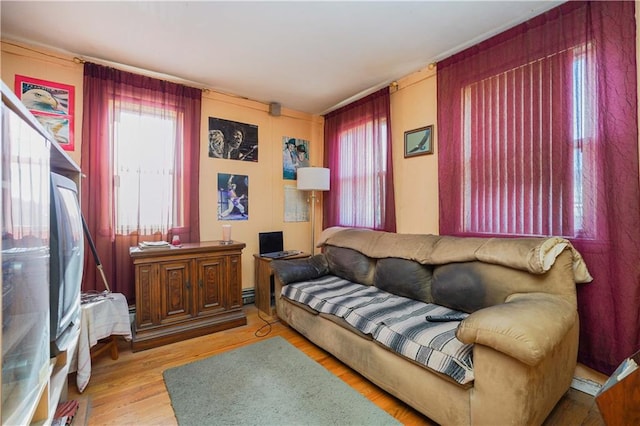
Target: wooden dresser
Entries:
(188, 291)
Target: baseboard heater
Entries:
(585, 385)
(248, 296)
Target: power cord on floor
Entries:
(267, 325)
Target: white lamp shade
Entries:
(313, 179)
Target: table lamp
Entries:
(313, 179)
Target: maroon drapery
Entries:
(104, 89)
(513, 128)
(357, 151)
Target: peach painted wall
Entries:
(24, 60)
(414, 105)
(266, 185)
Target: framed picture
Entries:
(295, 153)
(418, 142)
(233, 197)
(233, 140)
(52, 104)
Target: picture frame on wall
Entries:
(418, 141)
(232, 140)
(52, 104)
(295, 154)
(233, 197)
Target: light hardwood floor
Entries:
(131, 390)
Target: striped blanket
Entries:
(396, 322)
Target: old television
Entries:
(66, 262)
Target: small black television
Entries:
(66, 251)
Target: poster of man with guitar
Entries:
(233, 197)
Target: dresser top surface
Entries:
(188, 248)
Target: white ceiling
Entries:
(308, 56)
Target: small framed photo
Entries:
(52, 104)
(418, 142)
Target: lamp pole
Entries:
(313, 221)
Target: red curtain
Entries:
(105, 89)
(539, 136)
(357, 152)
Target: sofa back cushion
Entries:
(470, 286)
(292, 270)
(350, 264)
(404, 277)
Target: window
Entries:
(144, 170)
(358, 154)
(25, 179)
(580, 151)
(360, 177)
(141, 157)
(526, 168)
(584, 139)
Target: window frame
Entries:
(579, 224)
(174, 212)
(368, 215)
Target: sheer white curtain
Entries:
(141, 155)
(144, 170)
(358, 154)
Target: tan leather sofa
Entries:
(522, 323)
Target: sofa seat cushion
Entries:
(330, 294)
(399, 324)
(433, 344)
(395, 322)
(387, 308)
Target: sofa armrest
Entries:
(528, 326)
(294, 270)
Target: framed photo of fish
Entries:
(418, 142)
(52, 104)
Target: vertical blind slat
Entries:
(505, 179)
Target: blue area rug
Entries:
(266, 383)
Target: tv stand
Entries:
(60, 368)
(33, 380)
